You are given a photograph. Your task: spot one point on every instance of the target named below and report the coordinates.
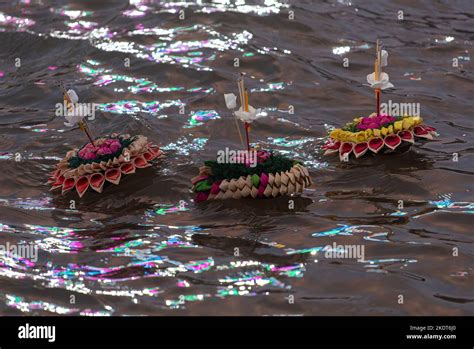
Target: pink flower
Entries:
(262, 156)
(88, 155)
(375, 122)
(104, 151)
(102, 147)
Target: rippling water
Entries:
(146, 248)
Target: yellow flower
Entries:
(408, 123)
(335, 133)
(368, 133)
(377, 132)
(398, 125)
(384, 131)
(417, 120)
(390, 129)
(360, 136)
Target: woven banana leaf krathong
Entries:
(250, 173)
(380, 132)
(102, 160)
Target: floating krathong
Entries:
(102, 160)
(377, 133)
(251, 173)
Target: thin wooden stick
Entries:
(247, 126)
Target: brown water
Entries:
(145, 248)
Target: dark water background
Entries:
(146, 248)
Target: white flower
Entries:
(73, 119)
(230, 100)
(75, 116)
(249, 116)
(382, 83)
(73, 96)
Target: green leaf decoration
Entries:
(255, 180)
(203, 186)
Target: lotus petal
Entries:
(392, 141)
(291, 188)
(68, 185)
(128, 168)
(205, 170)
(248, 181)
(241, 183)
(284, 178)
(88, 168)
(268, 191)
(103, 165)
(275, 191)
(97, 181)
(254, 192)
(245, 192)
(430, 129)
(58, 183)
(82, 184)
(115, 162)
(237, 194)
(422, 133)
(291, 176)
(298, 187)
(113, 175)
(375, 144)
(220, 195)
(271, 178)
(224, 185)
(233, 185)
(406, 136)
(345, 150)
(330, 151)
(360, 149)
(81, 171)
(283, 189)
(140, 162)
(305, 170)
(277, 179)
(228, 194)
(332, 145)
(296, 172)
(149, 156)
(156, 150)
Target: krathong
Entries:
(251, 173)
(100, 161)
(377, 133)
